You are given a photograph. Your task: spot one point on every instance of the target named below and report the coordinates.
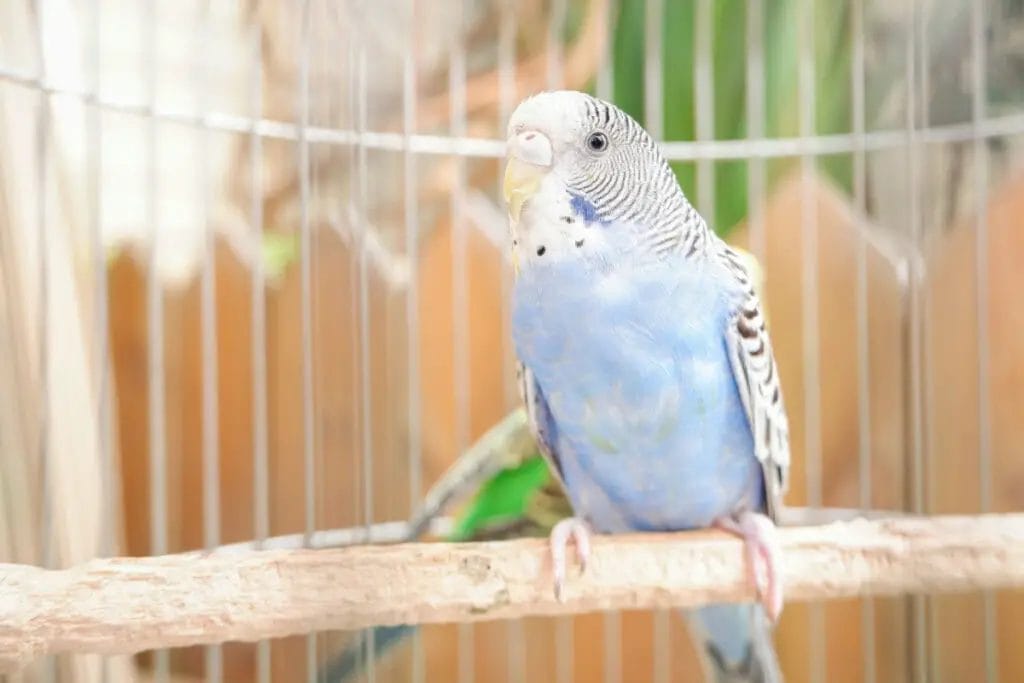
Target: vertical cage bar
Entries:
(704, 100)
(507, 92)
(564, 641)
(306, 311)
(258, 305)
(355, 223)
(755, 115)
(654, 13)
(919, 642)
(556, 25)
(366, 427)
(978, 112)
(47, 541)
(606, 71)
(306, 267)
(412, 322)
(654, 104)
(208, 325)
(364, 301)
(460, 290)
(930, 638)
(612, 632)
(861, 304)
(47, 551)
(809, 304)
(155, 328)
(101, 337)
(101, 341)
(507, 29)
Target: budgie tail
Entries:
(736, 642)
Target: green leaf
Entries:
(503, 498)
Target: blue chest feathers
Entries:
(632, 361)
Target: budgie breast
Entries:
(631, 358)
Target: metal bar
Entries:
(358, 224)
(214, 664)
(919, 642)
(101, 338)
(459, 265)
(460, 293)
(379, 533)
(606, 91)
(654, 103)
(613, 647)
(920, 90)
(412, 322)
(985, 471)
(809, 304)
(704, 102)
(858, 83)
(930, 645)
(606, 72)
(564, 645)
(258, 308)
(654, 12)
(365, 387)
(755, 116)
(507, 30)
(765, 148)
(556, 25)
(49, 556)
(155, 329)
(306, 311)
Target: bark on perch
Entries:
(128, 605)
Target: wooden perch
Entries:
(128, 605)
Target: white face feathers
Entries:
(577, 164)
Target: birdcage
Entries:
(255, 287)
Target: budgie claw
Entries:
(762, 550)
(571, 528)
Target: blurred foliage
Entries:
(279, 250)
(832, 85)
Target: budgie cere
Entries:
(645, 365)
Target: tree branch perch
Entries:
(128, 605)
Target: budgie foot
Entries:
(575, 529)
(762, 549)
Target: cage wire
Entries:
(255, 285)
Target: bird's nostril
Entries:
(530, 136)
(541, 249)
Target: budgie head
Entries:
(583, 175)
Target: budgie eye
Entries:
(597, 142)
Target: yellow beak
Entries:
(521, 182)
(529, 159)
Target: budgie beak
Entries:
(529, 159)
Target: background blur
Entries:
(253, 283)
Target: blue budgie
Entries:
(645, 365)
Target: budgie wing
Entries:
(538, 415)
(757, 377)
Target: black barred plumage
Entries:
(754, 365)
